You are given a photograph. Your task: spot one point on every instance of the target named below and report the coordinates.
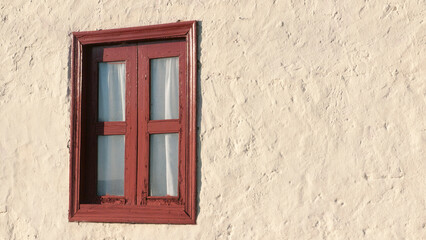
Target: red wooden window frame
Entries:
(134, 46)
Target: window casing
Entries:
(136, 125)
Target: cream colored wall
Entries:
(312, 117)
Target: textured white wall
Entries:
(312, 117)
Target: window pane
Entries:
(112, 90)
(163, 164)
(111, 165)
(165, 88)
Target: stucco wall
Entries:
(312, 118)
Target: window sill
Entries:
(172, 214)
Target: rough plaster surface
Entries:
(312, 118)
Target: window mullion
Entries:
(143, 118)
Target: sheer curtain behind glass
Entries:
(164, 147)
(111, 105)
(112, 89)
(165, 88)
(111, 165)
(163, 166)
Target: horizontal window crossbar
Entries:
(163, 126)
(111, 128)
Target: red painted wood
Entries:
(162, 31)
(143, 119)
(132, 214)
(127, 54)
(183, 134)
(163, 126)
(111, 128)
(138, 206)
(147, 52)
(75, 127)
(132, 125)
(114, 200)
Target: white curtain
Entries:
(163, 164)
(165, 88)
(112, 90)
(111, 165)
(111, 105)
(164, 148)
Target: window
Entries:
(133, 125)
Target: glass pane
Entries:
(163, 164)
(111, 165)
(165, 88)
(112, 90)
